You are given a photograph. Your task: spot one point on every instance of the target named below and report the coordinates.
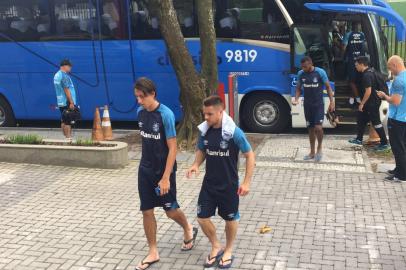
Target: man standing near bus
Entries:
(354, 45)
(219, 143)
(157, 169)
(65, 95)
(368, 109)
(397, 118)
(313, 79)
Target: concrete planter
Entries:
(74, 156)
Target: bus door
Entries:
(380, 8)
(312, 41)
(116, 58)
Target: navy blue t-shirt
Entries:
(313, 83)
(222, 157)
(355, 42)
(155, 128)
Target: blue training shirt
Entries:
(398, 87)
(222, 157)
(62, 81)
(312, 84)
(155, 128)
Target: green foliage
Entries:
(24, 139)
(84, 142)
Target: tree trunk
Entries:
(192, 87)
(208, 45)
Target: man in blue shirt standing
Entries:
(397, 117)
(157, 169)
(313, 79)
(220, 142)
(65, 95)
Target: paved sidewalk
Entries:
(77, 218)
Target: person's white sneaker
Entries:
(351, 101)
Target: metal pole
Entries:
(231, 95)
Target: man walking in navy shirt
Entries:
(157, 170)
(220, 142)
(312, 79)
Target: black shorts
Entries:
(314, 115)
(63, 119)
(371, 114)
(227, 202)
(147, 182)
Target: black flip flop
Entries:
(195, 231)
(149, 264)
(216, 261)
(226, 266)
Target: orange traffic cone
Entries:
(97, 133)
(106, 125)
(373, 136)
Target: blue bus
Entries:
(113, 42)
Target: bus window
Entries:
(113, 24)
(74, 19)
(23, 20)
(144, 21)
(311, 41)
(255, 20)
(186, 17)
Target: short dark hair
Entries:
(146, 86)
(65, 62)
(213, 101)
(306, 59)
(363, 60)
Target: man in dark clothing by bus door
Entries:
(354, 46)
(368, 109)
(313, 79)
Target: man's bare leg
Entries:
(210, 231)
(312, 139)
(67, 131)
(231, 233)
(319, 134)
(179, 217)
(150, 232)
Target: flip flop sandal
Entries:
(213, 264)
(195, 231)
(149, 264)
(318, 157)
(226, 266)
(308, 157)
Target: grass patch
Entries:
(23, 139)
(32, 139)
(85, 142)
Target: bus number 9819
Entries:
(241, 55)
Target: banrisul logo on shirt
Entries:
(140, 124)
(315, 80)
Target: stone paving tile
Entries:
(287, 151)
(78, 218)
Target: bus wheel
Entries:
(266, 113)
(6, 114)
